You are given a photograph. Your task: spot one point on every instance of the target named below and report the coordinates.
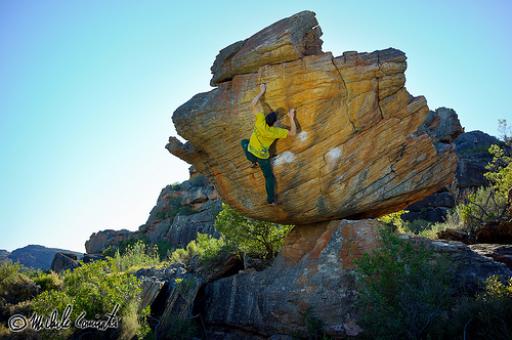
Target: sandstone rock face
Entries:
(365, 146)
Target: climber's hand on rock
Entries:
(263, 87)
(291, 113)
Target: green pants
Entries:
(265, 167)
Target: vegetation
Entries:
(97, 287)
(160, 248)
(482, 206)
(15, 285)
(256, 238)
(408, 292)
(404, 289)
(205, 248)
(49, 281)
(94, 288)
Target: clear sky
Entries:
(87, 91)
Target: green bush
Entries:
(452, 222)
(137, 255)
(404, 289)
(15, 286)
(48, 281)
(488, 315)
(96, 288)
(256, 238)
(489, 204)
(394, 222)
(206, 248)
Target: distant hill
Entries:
(35, 256)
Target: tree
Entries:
(256, 238)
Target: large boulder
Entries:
(365, 145)
(64, 261)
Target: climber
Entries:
(264, 134)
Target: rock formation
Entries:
(472, 157)
(38, 257)
(182, 210)
(313, 275)
(366, 146)
(4, 255)
(64, 261)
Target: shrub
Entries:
(452, 222)
(133, 322)
(205, 248)
(256, 238)
(489, 204)
(488, 315)
(394, 222)
(96, 288)
(15, 286)
(137, 255)
(48, 281)
(403, 289)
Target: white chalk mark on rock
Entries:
(285, 157)
(333, 154)
(303, 136)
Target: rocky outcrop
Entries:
(4, 255)
(495, 232)
(64, 261)
(313, 275)
(182, 210)
(472, 157)
(498, 252)
(38, 257)
(365, 146)
(173, 292)
(92, 257)
(100, 240)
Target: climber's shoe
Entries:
(254, 165)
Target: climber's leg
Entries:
(253, 159)
(270, 180)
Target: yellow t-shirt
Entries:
(263, 136)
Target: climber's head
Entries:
(271, 118)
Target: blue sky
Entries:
(87, 91)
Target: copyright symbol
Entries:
(17, 323)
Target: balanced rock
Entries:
(365, 146)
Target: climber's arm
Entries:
(293, 128)
(254, 103)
